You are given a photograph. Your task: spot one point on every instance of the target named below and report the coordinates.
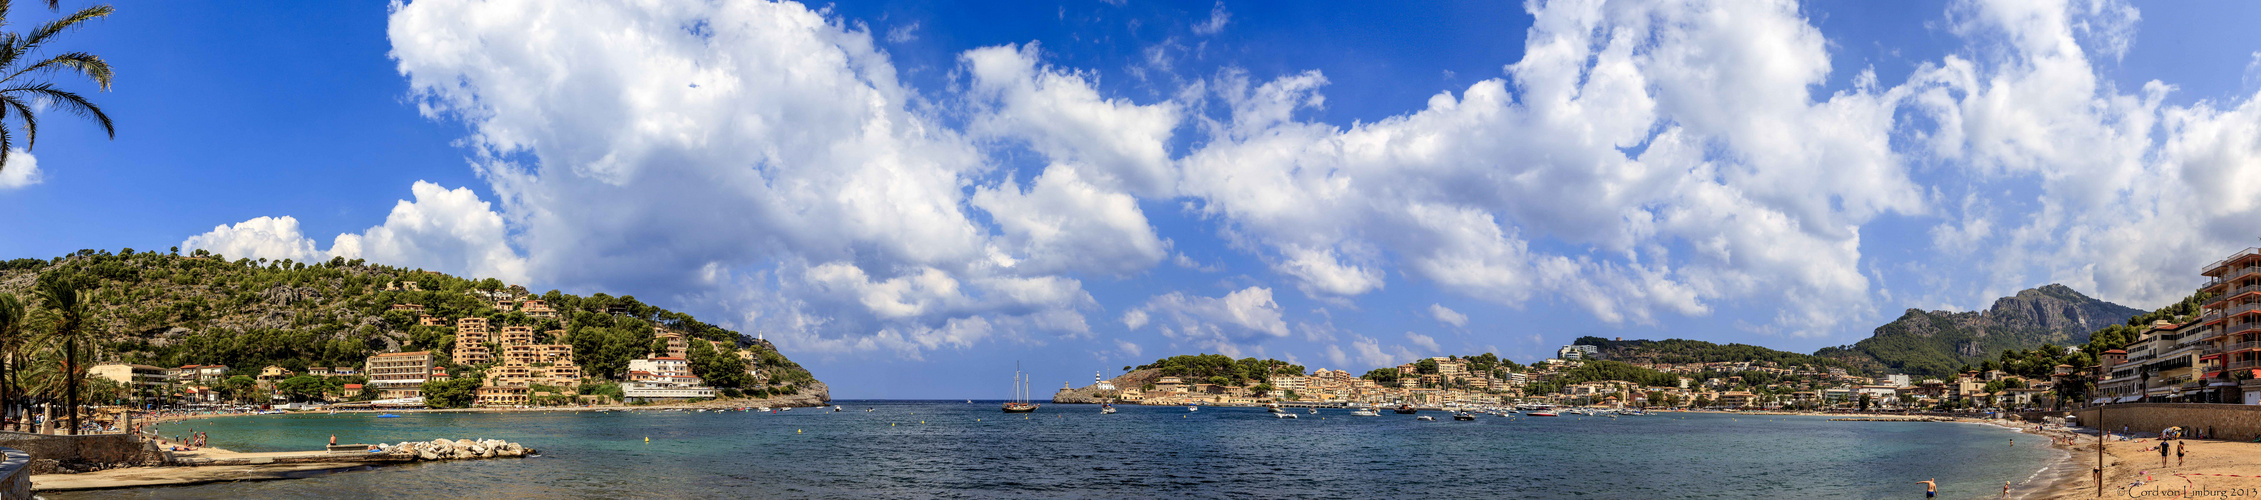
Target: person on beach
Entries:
(1930, 487)
(2005, 489)
(2163, 446)
(2179, 449)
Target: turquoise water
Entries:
(972, 450)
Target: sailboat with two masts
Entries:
(1020, 403)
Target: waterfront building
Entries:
(640, 391)
(500, 396)
(2232, 339)
(143, 379)
(1735, 398)
(400, 374)
(664, 365)
(202, 374)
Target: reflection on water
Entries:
(971, 450)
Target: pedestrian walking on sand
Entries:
(2179, 449)
(1930, 487)
(2163, 446)
(2005, 489)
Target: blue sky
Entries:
(911, 197)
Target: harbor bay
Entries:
(960, 449)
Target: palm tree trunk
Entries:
(71, 382)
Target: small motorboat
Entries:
(1543, 414)
(1273, 407)
(1463, 416)
(1283, 415)
(1314, 411)
(1106, 409)
(1364, 412)
(835, 408)
(1192, 407)
(1425, 418)
(1406, 410)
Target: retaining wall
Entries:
(2234, 422)
(15, 475)
(49, 451)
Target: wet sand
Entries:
(2210, 468)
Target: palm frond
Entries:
(9, 52)
(48, 30)
(86, 64)
(6, 143)
(31, 121)
(67, 101)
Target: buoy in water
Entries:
(647, 439)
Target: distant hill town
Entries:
(202, 328)
(2041, 347)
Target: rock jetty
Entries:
(458, 449)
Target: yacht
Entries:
(1406, 409)
(1020, 403)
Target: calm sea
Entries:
(954, 449)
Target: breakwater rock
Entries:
(458, 449)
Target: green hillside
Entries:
(164, 309)
(1681, 351)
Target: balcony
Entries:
(2234, 292)
(2232, 258)
(2244, 365)
(2241, 346)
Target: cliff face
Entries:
(1936, 343)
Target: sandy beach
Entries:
(2208, 468)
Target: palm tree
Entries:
(13, 321)
(26, 82)
(63, 297)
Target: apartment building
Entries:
(399, 374)
(2232, 341)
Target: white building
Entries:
(640, 390)
(1579, 352)
(663, 366)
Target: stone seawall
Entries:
(83, 452)
(2231, 422)
(15, 475)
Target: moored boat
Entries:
(1404, 409)
(1106, 409)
